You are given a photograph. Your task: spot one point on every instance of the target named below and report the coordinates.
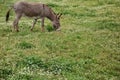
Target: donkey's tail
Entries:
(7, 14)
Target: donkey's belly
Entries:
(30, 14)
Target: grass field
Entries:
(86, 48)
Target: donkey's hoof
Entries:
(58, 29)
(43, 30)
(17, 30)
(31, 29)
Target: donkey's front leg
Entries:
(34, 22)
(42, 24)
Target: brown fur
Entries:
(36, 10)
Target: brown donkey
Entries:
(36, 10)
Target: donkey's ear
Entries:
(59, 15)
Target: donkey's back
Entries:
(29, 9)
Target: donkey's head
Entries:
(56, 22)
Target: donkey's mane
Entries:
(50, 10)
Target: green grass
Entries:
(86, 48)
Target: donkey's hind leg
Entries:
(16, 21)
(34, 22)
(42, 24)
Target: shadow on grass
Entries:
(50, 28)
(5, 72)
(25, 45)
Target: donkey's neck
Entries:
(51, 17)
(50, 14)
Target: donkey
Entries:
(35, 10)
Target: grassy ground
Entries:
(87, 47)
